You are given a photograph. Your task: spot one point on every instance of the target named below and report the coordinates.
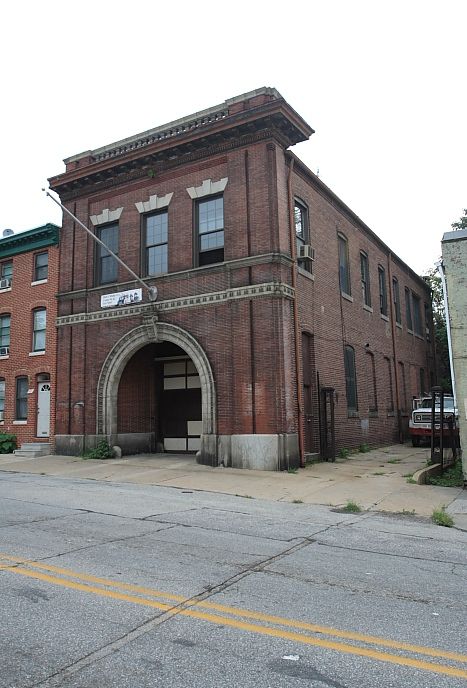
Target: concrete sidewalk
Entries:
(376, 480)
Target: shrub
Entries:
(451, 478)
(102, 451)
(7, 443)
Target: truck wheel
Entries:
(415, 441)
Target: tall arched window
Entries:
(344, 264)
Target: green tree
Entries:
(462, 223)
(433, 278)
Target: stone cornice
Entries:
(271, 289)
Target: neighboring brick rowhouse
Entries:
(454, 246)
(209, 209)
(29, 282)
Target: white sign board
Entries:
(121, 298)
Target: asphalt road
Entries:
(113, 585)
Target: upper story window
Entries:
(41, 266)
(344, 266)
(408, 309)
(397, 300)
(155, 237)
(417, 315)
(365, 277)
(428, 322)
(383, 294)
(6, 274)
(350, 378)
(39, 319)
(210, 230)
(21, 411)
(5, 321)
(106, 265)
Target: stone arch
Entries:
(151, 332)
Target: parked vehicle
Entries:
(420, 419)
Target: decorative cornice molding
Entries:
(274, 289)
(207, 188)
(155, 202)
(106, 216)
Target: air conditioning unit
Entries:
(5, 283)
(4, 350)
(306, 252)
(1, 415)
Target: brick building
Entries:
(270, 292)
(28, 309)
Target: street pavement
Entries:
(376, 480)
(116, 584)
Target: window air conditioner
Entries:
(307, 252)
(1, 415)
(4, 350)
(5, 283)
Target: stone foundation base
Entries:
(254, 452)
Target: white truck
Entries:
(420, 419)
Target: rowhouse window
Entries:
(155, 243)
(365, 276)
(2, 397)
(350, 378)
(383, 294)
(21, 398)
(408, 310)
(397, 299)
(41, 266)
(417, 315)
(6, 270)
(107, 266)
(4, 330)
(210, 230)
(39, 319)
(344, 267)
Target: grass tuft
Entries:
(441, 518)
(352, 507)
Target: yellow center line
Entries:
(245, 613)
(253, 628)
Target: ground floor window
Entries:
(21, 398)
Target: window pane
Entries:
(157, 259)
(211, 241)
(365, 276)
(156, 229)
(301, 222)
(211, 215)
(107, 265)
(5, 330)
(41, 261)
(408, 310)
(40, 319)
(344, 273)
(397, 301)
(21, 398)
(350, 378)
(6, 270)
(2, 395)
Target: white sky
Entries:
(382, 83)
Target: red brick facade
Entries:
(235, 318)
(30, 355)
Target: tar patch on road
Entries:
(302, 670)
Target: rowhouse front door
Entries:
(43, 409)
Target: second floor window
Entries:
(344, 267)
(41, 266)
(21, 398)
(210, 231)
(39, 319)
(365, 276)
(5, 321)
(155, 243)
(417, 315)
(6, 271)
(107, 266)
(383, 294)
(397, 300)
(408, 310)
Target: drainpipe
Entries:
(394, 350)
(440, 268)
(293, 253)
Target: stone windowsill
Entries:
(305, 273)
(20, 422)
(346, 296)
(37, 353)
(367, 308)
(36, 282)
(384, 317)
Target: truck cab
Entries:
(420, 418)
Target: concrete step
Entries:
(32, 450)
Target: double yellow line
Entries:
(244, 619)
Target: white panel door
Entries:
(43, 409)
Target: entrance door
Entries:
(43, 409)
(180, 408)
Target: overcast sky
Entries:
(382, 83)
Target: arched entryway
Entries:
(161, 350)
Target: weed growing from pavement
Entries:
(363, 448)
(379, 473)
(411, 481)
(352, 507)
(394, 460)
(297, 501)
(343, 453)
(451, 478)
(407, 512)
(441, 518)
(102, 451)
(292, 470)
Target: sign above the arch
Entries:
(121, 298)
